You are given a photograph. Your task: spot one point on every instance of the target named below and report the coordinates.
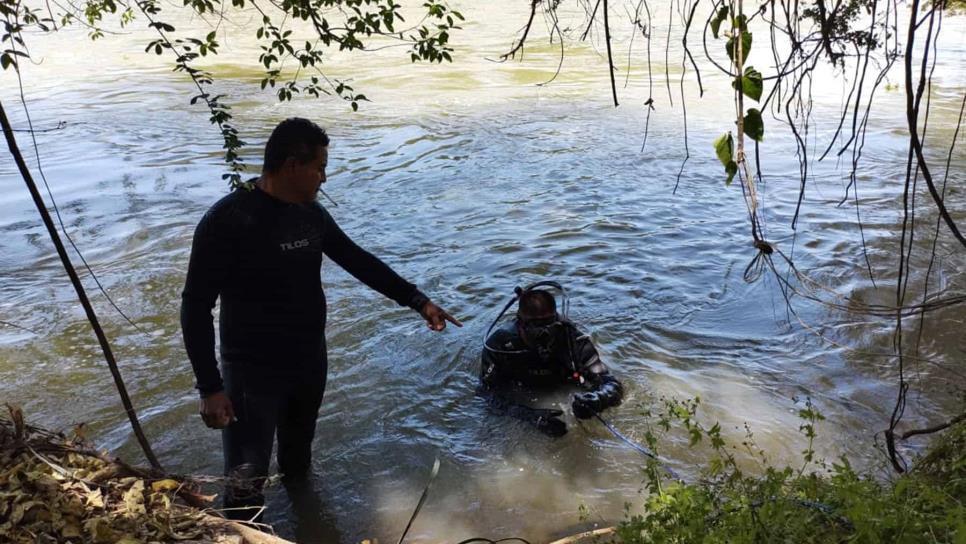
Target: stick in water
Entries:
(636, 446)
(422, 499)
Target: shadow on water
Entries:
(299, 512)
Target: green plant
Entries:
(814, 502)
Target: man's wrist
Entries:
(207, 391)
(418, 300)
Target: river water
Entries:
(470, 179)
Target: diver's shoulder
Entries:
(505, 338)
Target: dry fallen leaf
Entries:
(95, 499)
(134, 499)
(165, 485)
(71, 529)
(58, 490)
(99, 530)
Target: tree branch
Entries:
(526, 31)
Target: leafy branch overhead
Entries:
(292, 66)
(749, 82)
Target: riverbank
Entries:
(56, 488)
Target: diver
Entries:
(541, 348)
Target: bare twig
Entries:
(934, 428)
(610, 56)
(590, 23)
(912, 116)
(526, 30)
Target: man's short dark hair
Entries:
(295, 137)
(537, 303)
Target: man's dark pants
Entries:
(268, 403)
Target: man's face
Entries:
(306, 178)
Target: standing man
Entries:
(261, 252)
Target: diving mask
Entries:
(542, 333)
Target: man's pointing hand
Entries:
(437, 317)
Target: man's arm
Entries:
(377, 275)
(211, 259)
(603, 389)
(492, 382)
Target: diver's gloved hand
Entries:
(548, 422)
(586, 404)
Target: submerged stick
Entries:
(422, 499)
(638, 447)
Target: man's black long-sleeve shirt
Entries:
(263, 257)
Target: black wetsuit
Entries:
(507, 362)
(263, 257)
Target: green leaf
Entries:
(718, 19)
(163, 27)
(724, 148)
(745, 47)
(731, 169)
(741, 22)
(751, 84)
(754, 126)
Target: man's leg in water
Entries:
(296, 425)
(314, 522)
(248, 441)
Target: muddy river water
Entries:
(469, 179)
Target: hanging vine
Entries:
(857, 37)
